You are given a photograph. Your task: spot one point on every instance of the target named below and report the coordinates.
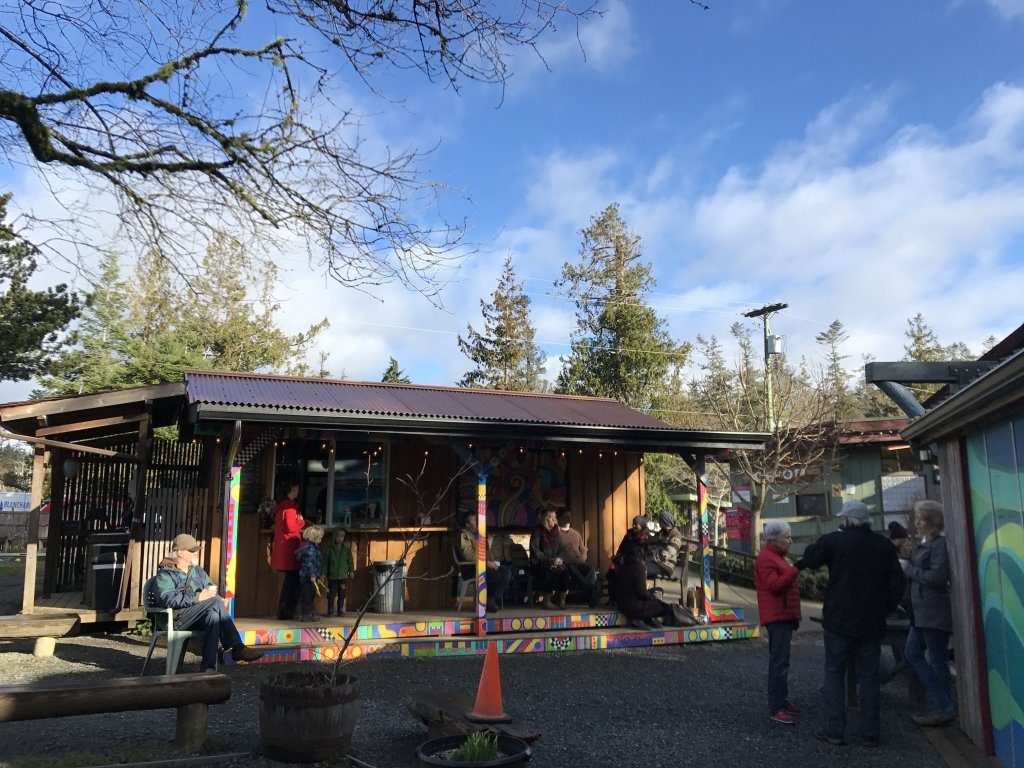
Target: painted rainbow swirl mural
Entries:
(995, 462)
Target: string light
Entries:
(218, 440)
(426, 453)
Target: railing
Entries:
(738, 565)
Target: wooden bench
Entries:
(45, 628)
(190, 694)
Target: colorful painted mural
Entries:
(995, 464)
(543, 644)
(520, 484)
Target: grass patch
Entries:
(10, 566)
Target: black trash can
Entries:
(389, 599)
(100, 543)
(108, 571)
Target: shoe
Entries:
(330, 612)
(340, 613)
(560, 600)
(547, 604)
(639, 624)
(933, 719)
(835, 741)
(782, 716)
(655, 623)
(242, 652)
(309, 617)
(793, 709)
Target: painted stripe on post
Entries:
(481, 554)
(231, 537)
(700, 470)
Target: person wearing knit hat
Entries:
(865, 583)
(897, 534)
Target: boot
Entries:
(560, 598)
(547, 604)
(242, 652)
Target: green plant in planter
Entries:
(478, 748)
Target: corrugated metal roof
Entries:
(408, 400)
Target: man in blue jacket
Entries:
(865, 583)
(182, 585)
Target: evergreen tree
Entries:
(923, 346)
(870, 402)
(836, 377)
(394, 374)
(94, 359)
(505, 354)
(30, 321)
(621, 348)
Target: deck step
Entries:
(582, 639)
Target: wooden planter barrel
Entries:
(304, 721)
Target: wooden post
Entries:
(234, 487)
(131, 581)
(701, 475)
(329, 495)
(53, 548)
(28, 595)
(481, 553)
(190, 729)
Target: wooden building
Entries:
(398, 466)
(979, 432)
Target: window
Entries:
(812, 505)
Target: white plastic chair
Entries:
(464, 584)
(177, 639)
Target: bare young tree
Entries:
(197, 115)
(801, 433)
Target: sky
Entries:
(858, 162)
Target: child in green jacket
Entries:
(338, 565)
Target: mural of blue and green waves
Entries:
(995, 462)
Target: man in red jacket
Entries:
(288, 524)
(778, 603)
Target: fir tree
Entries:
(836, 377)
(93, 360)
(621, 348)
(923, 346)
(30, 321)
(504, 354)
(394, 374)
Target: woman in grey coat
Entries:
(928, 575)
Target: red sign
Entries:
(737, 524)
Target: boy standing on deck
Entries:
(338, 565)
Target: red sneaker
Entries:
(782, 716)
(793, 709)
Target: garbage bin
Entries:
(99, 543)
(390, 598)
(107, 573)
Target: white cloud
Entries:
(1008, 8)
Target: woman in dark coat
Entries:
(928, 575)
(548, 567)
(629, 590)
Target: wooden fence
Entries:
(14, 531)
(170, 511)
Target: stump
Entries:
(446, 714)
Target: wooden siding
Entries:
(971, 689)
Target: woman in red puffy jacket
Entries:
(288, 524)
(778, 603)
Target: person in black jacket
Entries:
(865, 582)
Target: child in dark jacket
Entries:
(311, 562)
(338, 565)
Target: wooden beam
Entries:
(62, 698)
(51, 407)
(83, 426)
(66, 446)
(35, 501)
(44, 625)
(131, 581)
(53, 548)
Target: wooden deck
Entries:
(73, 602)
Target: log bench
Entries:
(190, 694)
(45, 628)
(446, 714)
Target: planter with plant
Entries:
(477, 750)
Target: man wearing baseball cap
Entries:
(865, 583)
(182, 585)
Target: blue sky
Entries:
(860, 162)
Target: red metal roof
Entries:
(408, 400)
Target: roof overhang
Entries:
(102, 414)
(632, 438)
(999, 391)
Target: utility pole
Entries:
(770, 348)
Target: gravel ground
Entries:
(699, 705)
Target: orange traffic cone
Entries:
(488, 706)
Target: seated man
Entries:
(629, 591)
(498, 575)
(182, 585)
(574, 554)
(665, 550)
